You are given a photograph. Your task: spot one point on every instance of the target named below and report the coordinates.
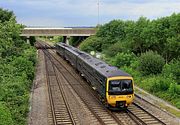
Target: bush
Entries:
(17, 60)
(114, 49)
(174, 89)
(93, 43)
(14, 92)
(151, 63)
(32, 40)
(5, 115)
(156, 83)
(24, 66)
(57, 39)
(123, 59)
(30, 54)
(172, 69)
(76, 40)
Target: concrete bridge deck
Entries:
(58, 32)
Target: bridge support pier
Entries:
(66, 39)
(28, 39)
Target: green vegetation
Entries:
(94, 42)
(17, 62)
(5, 15)
(5, 115)
(56, 39)
(149, 50)
(123, 59)
(32, 40)
(151, 63)
(52, 39)
(76, 40)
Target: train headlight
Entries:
(128, 96)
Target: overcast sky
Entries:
(85, 12)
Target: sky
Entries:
(67, 13)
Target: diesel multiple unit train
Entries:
(115, 87)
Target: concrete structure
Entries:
(65, 32)
(66, 39)
(58, 31)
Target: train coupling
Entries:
(120, 103)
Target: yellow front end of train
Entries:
(120, 91)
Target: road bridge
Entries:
(65, 32)
(58, 31)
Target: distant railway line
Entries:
(66, 86)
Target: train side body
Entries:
(96, 79)
(71, 56)
(68, 53)
(100, 74)
(60, 49)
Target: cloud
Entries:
(40, 22)
(81, 12)
(148, 9)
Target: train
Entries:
(114, 87)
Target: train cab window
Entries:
(120, 87)
(114, 85)
(126, 84)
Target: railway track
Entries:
(102, 115)
(142, 116)
(134, 115)
(61, 113)
(163, 115)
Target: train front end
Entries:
(120, 91)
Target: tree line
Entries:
(147, 49)
(17, 62)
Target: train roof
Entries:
(69, 48)
(102, 67)
(99, 65)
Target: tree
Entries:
(6, 15)
(76, 40)
(172, 70)
(92, 43)
(151, 63)
(137, 40)
(115, 48)
(123, 59)
(16, 71)
(111, 33)
(10, 40)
